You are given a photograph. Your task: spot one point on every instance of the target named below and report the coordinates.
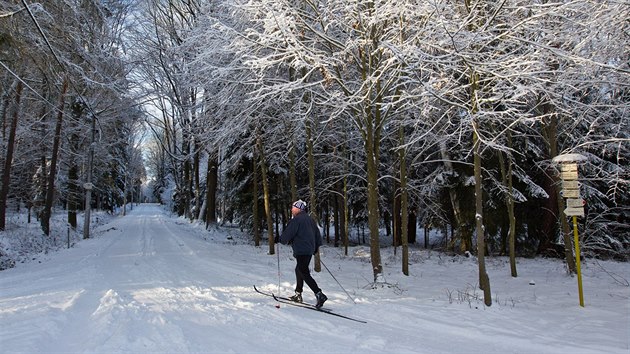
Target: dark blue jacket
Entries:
(302, 234)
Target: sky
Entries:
(150, 282)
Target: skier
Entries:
(304, 237)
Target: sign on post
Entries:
(575, 207)
(569, 172)
(570, 189)
(574, 204)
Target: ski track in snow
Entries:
(153, 283)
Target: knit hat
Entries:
(300, 204)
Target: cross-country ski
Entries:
(287, 301)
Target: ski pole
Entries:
(331, 274)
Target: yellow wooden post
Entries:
(576, 241)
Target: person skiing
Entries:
(304, 237)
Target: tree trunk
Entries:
(88, 183)
(292, 176)
(50, 190)
(212, 178)
(337, 213)
(197, 183)
(371, 146)
(396, 223)
(346, 209)
(187, 183)
(387, 222)
(551, 133)
(484, 280)
(266, 196)
(317, 266)
(462, 234)
(325, 220)
(202, 211)
(131, 191)
(412, 226)
(124, 206)
(426, 235)
(292, 180)
(506, 173)
(404, 218)
(8, 161)
(74, 200)
(4, 106)
(255, 212)
(278, 208)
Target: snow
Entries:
(570, 158)
(149, 282)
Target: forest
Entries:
(392, 119)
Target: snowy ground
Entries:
(152, 283)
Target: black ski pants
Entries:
(302, 275)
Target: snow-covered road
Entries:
(150, 283)
(146, 285)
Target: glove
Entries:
(276, 239)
